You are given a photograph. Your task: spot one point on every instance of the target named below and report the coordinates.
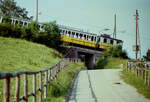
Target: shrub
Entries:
(115, 52)
(101, 63)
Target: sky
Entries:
(96, 15)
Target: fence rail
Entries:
(141, 71)
(49, 74)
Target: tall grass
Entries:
(60, 87)
(137, 82)
(18, 55)
(110, 63)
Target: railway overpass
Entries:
(91, 56)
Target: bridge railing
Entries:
(43, 82)
(141, 70)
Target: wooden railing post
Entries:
(34, 87)
(145, 76)
(148, 78)
(40, 87)
(7, 89)
(17, 88)
(46, 82)
(26, 87)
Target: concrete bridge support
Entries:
(91, 56)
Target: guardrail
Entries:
(49, 74)
(140, 72)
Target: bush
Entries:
(101, 63)
(50, 36)
(115, 52)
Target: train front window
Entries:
(111, 42)
(105, 40)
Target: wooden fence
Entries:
(49, 74)
(143, 71)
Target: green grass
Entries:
(60, 87)
(17, 55)
(137, 82)
(115, 63)
(111, 63)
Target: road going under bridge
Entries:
(91, 56)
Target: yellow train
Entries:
(86, 39)
(77, 37)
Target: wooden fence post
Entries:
(145, 76)
(40, 87)
(127, 66)
(46, 82)
(148, 78)
(26, 87)
(136, 72)
(17, 88)
(34, 87)
(7, 89)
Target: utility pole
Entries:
(36, 10)
(137, 47)
(114, 34)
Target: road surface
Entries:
(103, 86)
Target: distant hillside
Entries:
(18, 55)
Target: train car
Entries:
(75, 36)
(86, 39)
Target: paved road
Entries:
(103, 86)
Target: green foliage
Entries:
(18, 55)
(50, 36)
(60, 87)
(110, 63)
(115, 52)
(147, 57)
(7, 30)
(112, 55)
(10, 8)
(102, 62)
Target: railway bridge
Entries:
(91, 56)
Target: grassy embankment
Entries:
(137, 82)
(128, 77)
(18, 55)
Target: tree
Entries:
(52, 35)
(10, 8)
(147, 57)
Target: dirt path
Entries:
(103, 86)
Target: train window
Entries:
(77, 34)
(87, 37)
(111, 41)
(25, 23)
(118, 42)
(81, 36)
(99, 39)
(16, 22)
(95, 39)
(69, 32)
(84, 37)
(92, 39)
(63, 31)
(105, 40)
